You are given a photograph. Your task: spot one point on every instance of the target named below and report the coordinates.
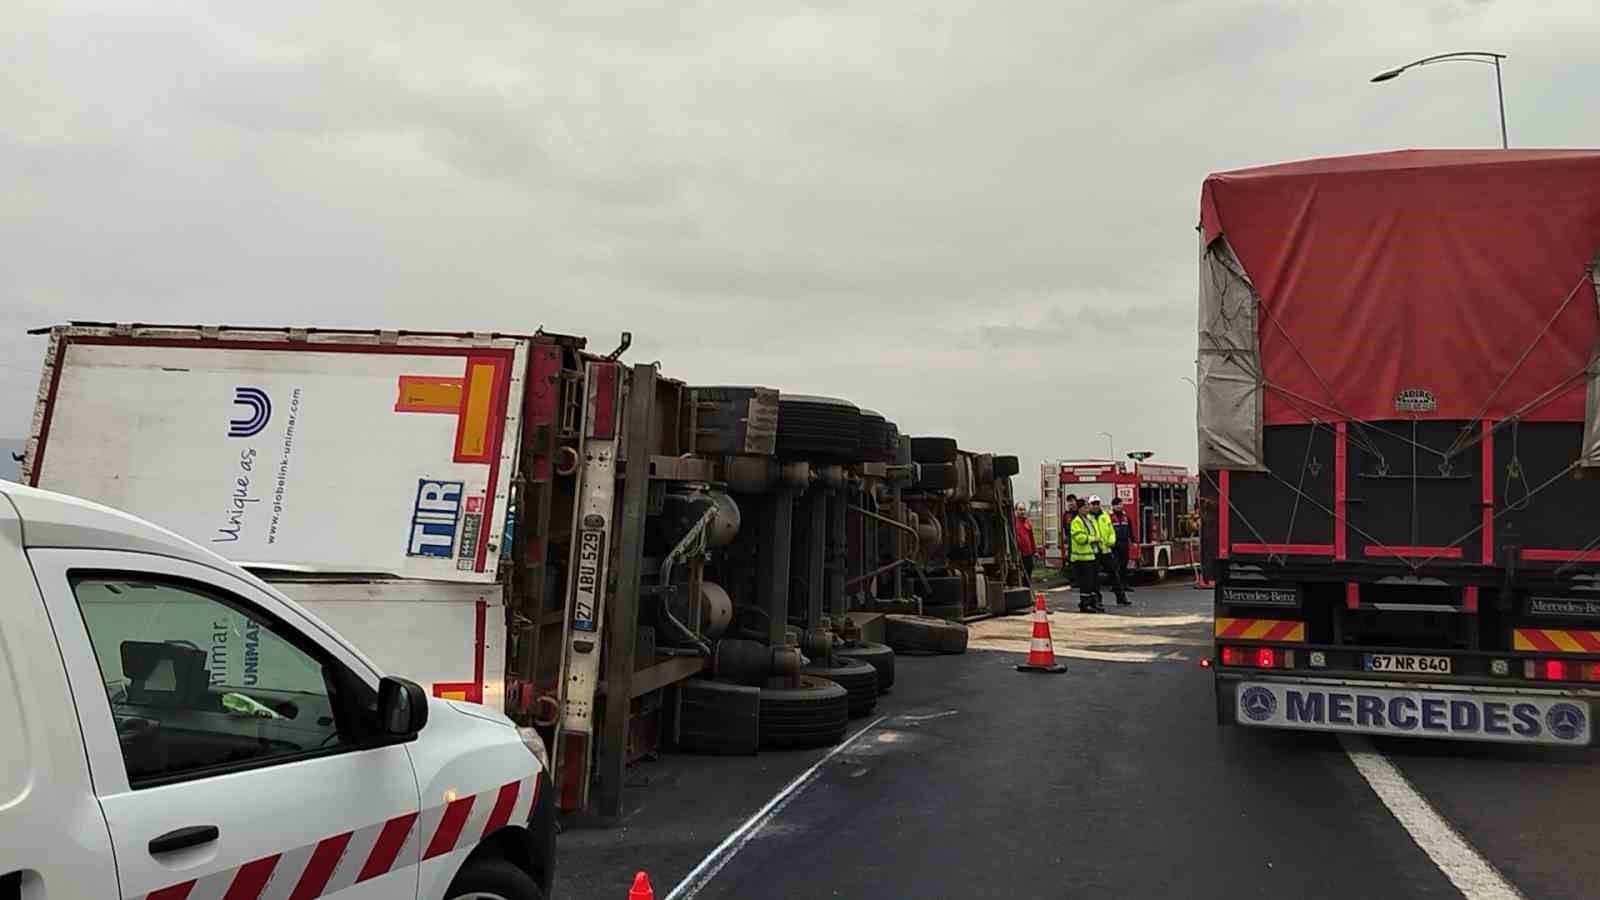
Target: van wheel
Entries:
(493, 879)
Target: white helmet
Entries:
(1093, 499)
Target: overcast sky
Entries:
(975, 217)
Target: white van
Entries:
(176, 729)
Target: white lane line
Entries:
(1475, 877)
(931, 716)
(708, 868)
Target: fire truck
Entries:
(1160, 500)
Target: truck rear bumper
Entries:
(1517, 715)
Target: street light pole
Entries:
(1500, 92)
(1476, 56)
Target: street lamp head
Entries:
(1387, 74)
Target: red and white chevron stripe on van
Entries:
(324, 868)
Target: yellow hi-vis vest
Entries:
(1084, 535)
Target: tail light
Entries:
(1257, 657)
(1560, 670)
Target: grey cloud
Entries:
(919, 209)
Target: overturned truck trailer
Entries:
(1399, 429)
(616, 559)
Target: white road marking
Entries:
(1475, 877)
(708, 868)
(938, 715)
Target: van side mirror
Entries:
(402, 707)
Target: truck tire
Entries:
(880, 439)
(923, 634)
(1018, 600)
(933, 449)
(879, 656)
(858, 678)
(815, 714)
(825, 429)
(1006, 466)
(935, 477)
(492, 877)
(719, 717)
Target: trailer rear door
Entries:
(343, 452)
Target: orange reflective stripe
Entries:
(1260, 629)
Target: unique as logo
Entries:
(1565, 721)
(257, 412)
(1258, 703)
(1415, 400)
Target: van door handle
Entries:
(181, 838)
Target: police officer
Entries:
(1105, 553)
(1083, 553)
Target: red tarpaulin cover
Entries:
(1416, 269)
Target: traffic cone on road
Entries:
(1042, 650)
(641, 889)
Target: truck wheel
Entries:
(818, 428)
(1019, 600)
(933, 449)
(880, 439)
(493, 879)
(815, 714)
(879, 656)
(1006, 466)
(718, 717)
(860, 679)
(923, 634)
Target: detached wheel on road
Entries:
(493, 879)
(879, 656)
(814, 714)
(924, 634)
(933, 449)
(860, 679)
(1018, 600)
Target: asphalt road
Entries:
(1109, 781)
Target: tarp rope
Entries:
(1467, 431)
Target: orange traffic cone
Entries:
(641, 889)
(1042, 651)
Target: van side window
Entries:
(195, 682)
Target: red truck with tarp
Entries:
(1399, 442)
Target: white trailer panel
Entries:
(449, 638)
(348, 455)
